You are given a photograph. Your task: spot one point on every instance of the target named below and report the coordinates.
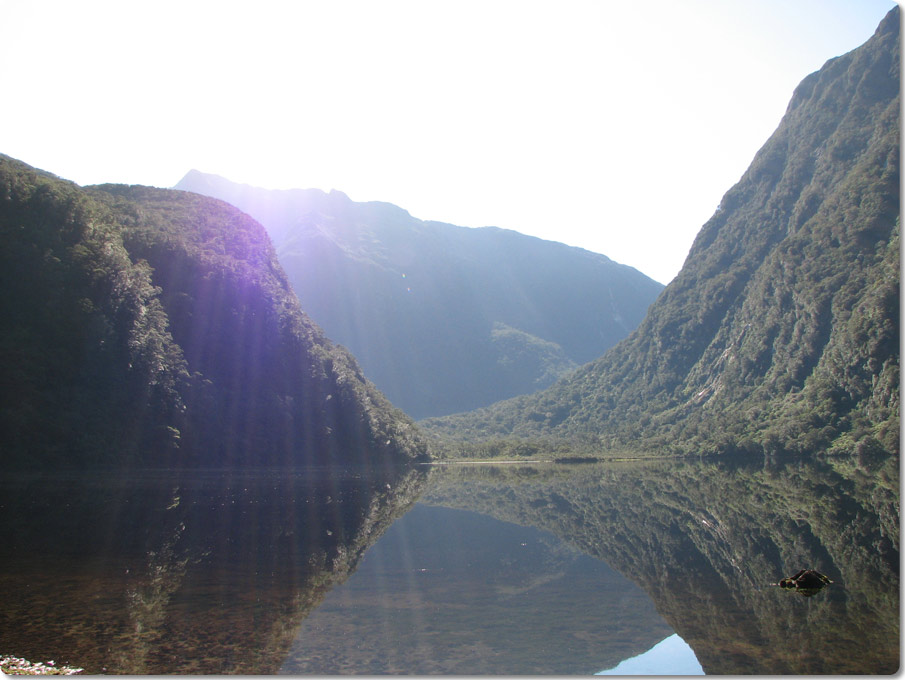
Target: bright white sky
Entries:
(614, 126)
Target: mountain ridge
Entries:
(417, 302)
(154, 327)
(781, 330)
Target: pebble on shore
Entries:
(13, 665)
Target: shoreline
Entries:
(505, 461)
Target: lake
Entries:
(653, 568)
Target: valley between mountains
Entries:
(241, 427)
(247, 326)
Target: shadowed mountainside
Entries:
(156, 327)
(442, 318)
(781, 332)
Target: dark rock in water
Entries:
(807, 582)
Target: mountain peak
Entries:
(780, 332)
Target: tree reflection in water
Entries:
(171, 572)
(705, 540)
(195, 572)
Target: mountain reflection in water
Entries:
(553, 569)
(705, 539)
(196, 572)
(456, 592)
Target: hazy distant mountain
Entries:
(442, 318)
(782, 329)
(157, 326)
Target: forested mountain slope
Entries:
(157, 327)
(442, 318)
(781, 332)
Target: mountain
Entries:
(157, 327)
(781, 332)
(442, 318)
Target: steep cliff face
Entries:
(157, 326)
(442, 318)
(781, 330)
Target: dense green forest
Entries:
(442, 318)
(781, 332)
(157, 327)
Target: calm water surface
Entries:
(466, 570)
(454, 591)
